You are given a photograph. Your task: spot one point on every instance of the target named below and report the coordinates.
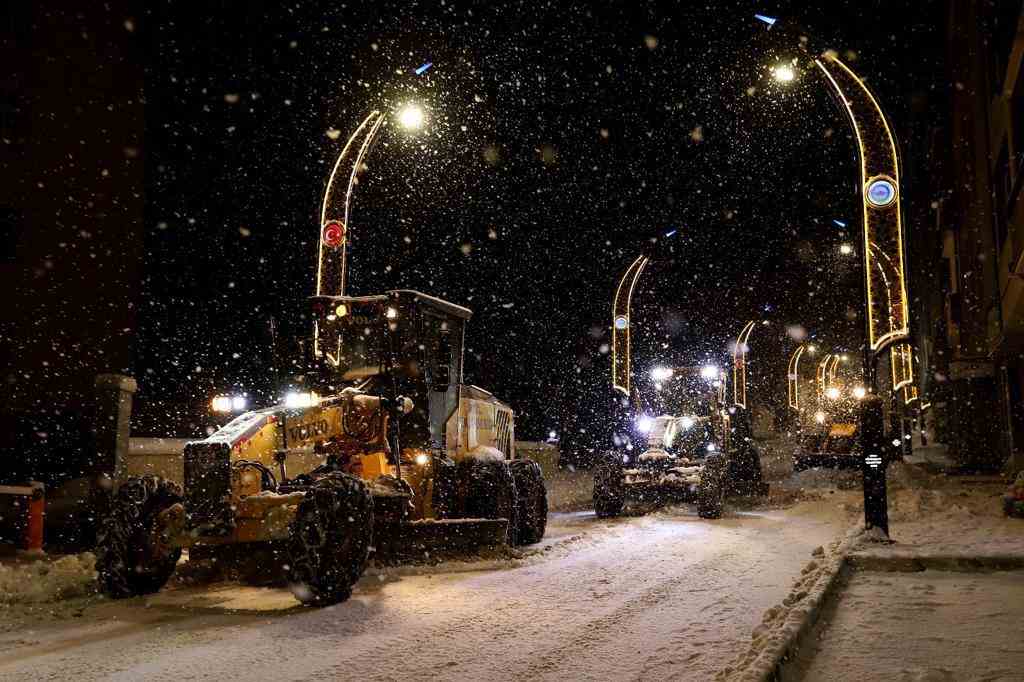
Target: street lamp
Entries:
(622, 359)
(411, 117)
(845, 249)
(783, 73)
(661, 373)
(885, 325)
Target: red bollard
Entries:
(34, 522)
(31, 499)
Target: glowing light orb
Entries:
(819, 417)
(709, 372)
(859, 392)
(845, 249)
(644, 424)
(621, 322)
(221, 403)
(832, 393)
(881, 192)
(411, 117)
(661, 373)
(783, 73)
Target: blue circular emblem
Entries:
(621, 322)
(881, 192)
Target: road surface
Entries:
(661, 596)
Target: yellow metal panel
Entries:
(375, 464)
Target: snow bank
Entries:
(823, 478)
(784, 624)
(569, 489)
(46, 581)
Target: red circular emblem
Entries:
(334, 233)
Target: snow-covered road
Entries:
(662, 596)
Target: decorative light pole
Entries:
(335, 211)
(793, 377)
(622, 359)
(739, 366)
(887, 323)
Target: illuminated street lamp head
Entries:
(411, 117)
(709, 372)
(845, 249)
(783, 73)
(832, 392)
(661, 373)
(819, 417)
(859, 392)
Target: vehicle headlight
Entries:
(297, 399)
(221, 403)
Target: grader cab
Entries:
(386, 450)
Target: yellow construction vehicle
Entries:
(388, 449)
(385, 449)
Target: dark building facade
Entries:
(967, 245)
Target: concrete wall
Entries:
(161, 457)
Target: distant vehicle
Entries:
(699, 454)
(838, 448)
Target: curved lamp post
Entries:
(622, 367)
(887, 317)
(335, 211)
(739, 366)
(793, 377)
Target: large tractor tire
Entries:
(491, 493)
(130, 560)
(329, 541)
(609, 487)
(745, 476)
(711, 491)
(532, 501)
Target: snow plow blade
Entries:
(415, 538)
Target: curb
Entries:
(956, 563)
(780, 639)
(786, 625)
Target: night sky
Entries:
(562, 139)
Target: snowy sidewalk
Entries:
(942, 586)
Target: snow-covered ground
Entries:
(935, 522)
(661, 596)
(666, 595)
(929, 626)
(44, 581)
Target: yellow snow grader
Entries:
(384, 450)
(388, 451)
